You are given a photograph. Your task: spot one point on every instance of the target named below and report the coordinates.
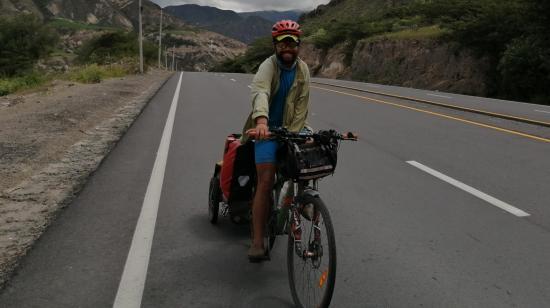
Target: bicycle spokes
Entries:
(296, 228)
(313, 263)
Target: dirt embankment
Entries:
(50, 142)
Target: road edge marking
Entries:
(469, 189)
(132, 283)
(439, 95)
(513, 132)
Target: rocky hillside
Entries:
(79, 21)
(201, 52)
(417, 63)
(11, 7)
(486, 47)
(346, 11)
(229, 23)
(108, 13)
(383, 47)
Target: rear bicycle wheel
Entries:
(312, 270)
(214, 199)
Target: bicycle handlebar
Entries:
(283, 133)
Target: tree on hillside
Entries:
(114, 46)
(24, 39)
(513, 34)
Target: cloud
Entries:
(250, 5)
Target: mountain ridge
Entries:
(79, 21)
(275, 16)
(229, 23)
(116, 13)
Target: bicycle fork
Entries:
(296, 229)
(314, 249)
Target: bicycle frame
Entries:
(295, 210)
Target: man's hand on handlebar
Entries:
(261, 131)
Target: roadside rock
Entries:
(423, 64)
(204, 50)
(333, 64)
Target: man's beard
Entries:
(287, 58)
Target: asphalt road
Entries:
(431, 209)
(518, 109)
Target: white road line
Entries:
(233, 80)
(373, 86)
(438, 95)
(249, 86)
(494, 201)
(542, 111)
(130, 289)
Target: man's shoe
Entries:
(256, 254)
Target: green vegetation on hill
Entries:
(258, 51)
(23, 41)
(347, 11)
(513, 35)
(67, 25)
(110, 47)
(95, 73)
(14, 84)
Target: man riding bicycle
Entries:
(280, 98)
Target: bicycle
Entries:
(299, 211)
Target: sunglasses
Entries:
(287, 45)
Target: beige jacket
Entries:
(266, 84)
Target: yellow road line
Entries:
(489, 113)
(513, 132)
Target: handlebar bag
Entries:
(307, 161)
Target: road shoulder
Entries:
(67, 137)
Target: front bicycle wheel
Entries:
(312, 260)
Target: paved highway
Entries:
(432, 208)
(518, 109)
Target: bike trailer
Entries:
(238, 172)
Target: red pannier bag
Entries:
(238, 173)
(229, 155)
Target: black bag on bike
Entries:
(244, 174)
(307, 161)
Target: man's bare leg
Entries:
(262, 199)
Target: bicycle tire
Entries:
(291, 255)
(214, 198)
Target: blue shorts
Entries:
(265, 151)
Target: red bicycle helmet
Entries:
(286, 27)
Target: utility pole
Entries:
(160, 37)
(165, 58)
(173, 57)
(140, 41)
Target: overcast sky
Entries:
(250, 5)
